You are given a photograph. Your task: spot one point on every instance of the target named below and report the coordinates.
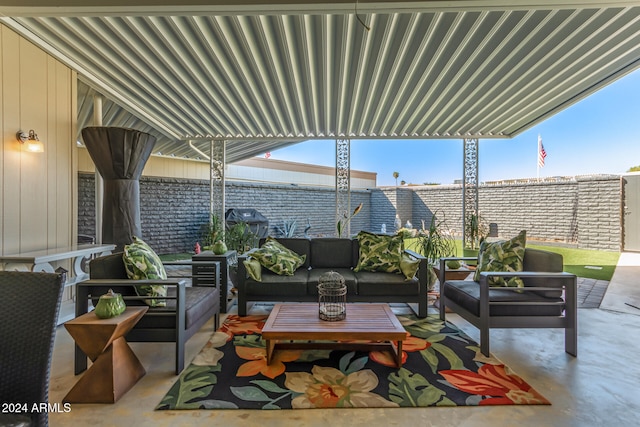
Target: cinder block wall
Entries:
(584, 212)
(599, 215)
(173, 210)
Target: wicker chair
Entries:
(28, 319)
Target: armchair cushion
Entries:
(142, 263)
(379, 252)
(277, 258)
(198, 300)
(504, 255)
(467, 295)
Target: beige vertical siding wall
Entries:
(37, 190)
(156, 166)
(254, 169)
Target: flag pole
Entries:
(538, 160)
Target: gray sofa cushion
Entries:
(272, 284)
(347, 273)
(466, 293)
(378, 283)
(331, 253)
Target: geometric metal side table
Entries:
(115, 367)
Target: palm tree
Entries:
(396, 175)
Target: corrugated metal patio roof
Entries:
(262, 76)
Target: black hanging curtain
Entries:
(119, 155)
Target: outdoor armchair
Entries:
(548, 299)
(188, 308)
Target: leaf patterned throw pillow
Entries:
(379, 252)
(254, 269)
(275, 257)
(142, 263)
(409, 266)
(506, 255)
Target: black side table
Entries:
(201, 275)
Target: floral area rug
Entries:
(442, 367)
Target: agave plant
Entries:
(288, 228)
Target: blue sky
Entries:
(598, 135)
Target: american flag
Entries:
(267, 155)
(541, 153)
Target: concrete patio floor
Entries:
(599, 387)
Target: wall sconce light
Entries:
(30, 141)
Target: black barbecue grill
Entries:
(257, 222)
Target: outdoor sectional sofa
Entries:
(331, 254)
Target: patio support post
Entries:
(217, 159)
(99, 182)
(343, 184)
(469, 186)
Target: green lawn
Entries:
(175, 257)
(586, 263)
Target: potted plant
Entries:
(475, 229)
(211, 233)
(434, 242)
(241, 239)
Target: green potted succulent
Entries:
(434, 241)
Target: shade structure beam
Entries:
(343, 186)
(469, 188)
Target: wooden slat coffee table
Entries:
(364, 322)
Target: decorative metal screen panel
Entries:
(216, 184)
(469, 188)
(343, 186)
